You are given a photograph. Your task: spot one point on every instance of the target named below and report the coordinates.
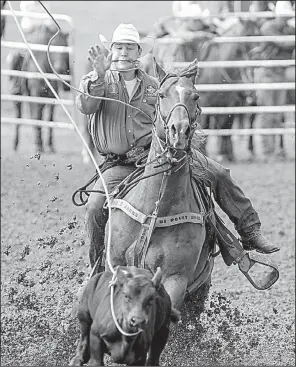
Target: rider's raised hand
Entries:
(99, 60)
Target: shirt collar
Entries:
(139, 75)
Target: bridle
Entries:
(165, 119)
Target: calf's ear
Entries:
(121, 275)
(156, 280)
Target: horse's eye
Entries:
(127, 297)
(195, 96)
(161, 95)
(149, 301)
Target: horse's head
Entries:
(177, 106)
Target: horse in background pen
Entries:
(206, 50)
(3, 19)
(37, 87)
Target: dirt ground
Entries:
(44, 256)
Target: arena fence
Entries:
(201, 87)
(38, 47)
(288, 40)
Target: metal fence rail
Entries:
(239, 39)
(45, 100)
(244, 87)
(248, 132)
(35, 46)
(238, 64)
(32, 74)
(29, 122)
(242, 15)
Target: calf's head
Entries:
(137, 291)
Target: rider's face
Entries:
(124, 54)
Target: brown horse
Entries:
(166, 227)
(37, 87)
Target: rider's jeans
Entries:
(226, 192)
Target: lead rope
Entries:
(112, 283)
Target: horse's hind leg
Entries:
(251, 137)
(18, 107)
(226, 146)
(50, 136)
(36, 110)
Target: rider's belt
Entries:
(130, 157)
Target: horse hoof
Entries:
(52, 150)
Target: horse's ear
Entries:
(156, 280)
(158, 71)
(192, 71)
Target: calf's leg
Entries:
(82, 352)
(96, 349)
(158, 343)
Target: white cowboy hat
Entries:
(127, 33)
(283, 8)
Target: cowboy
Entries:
(29, 23)
(118, 131)
(281, 24)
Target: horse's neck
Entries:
(177, 183)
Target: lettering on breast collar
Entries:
(129, 210)
(178, 219)
(171, 220)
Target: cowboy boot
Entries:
(253, 239)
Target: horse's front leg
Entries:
(50, 136)
(18, 107)
(36, 111)
(226, 147)
(176, 286)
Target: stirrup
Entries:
(263, 279)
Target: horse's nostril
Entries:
(187, 133)
(174, 130)
(132, 321)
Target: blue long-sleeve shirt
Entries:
(117, 128)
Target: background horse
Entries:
(166, 190)
(205, 50)
(3, 19)
(37, 87)
(222, 52)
